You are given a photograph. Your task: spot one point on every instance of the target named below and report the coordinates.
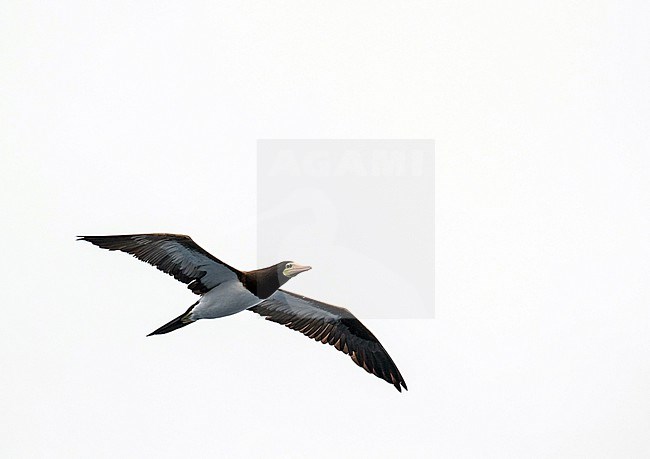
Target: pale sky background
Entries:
(120, 117)
(346, 199)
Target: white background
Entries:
(361, 212)
(127, 117)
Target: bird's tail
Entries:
(178, 322)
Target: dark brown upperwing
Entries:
(174, 254)
(335, 326)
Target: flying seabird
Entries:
(225, 290)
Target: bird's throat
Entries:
(263, 282)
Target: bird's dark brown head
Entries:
(288, 269)
(264, 282)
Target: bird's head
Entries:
(289, 269)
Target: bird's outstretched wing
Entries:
(335, 326)
(174, 254)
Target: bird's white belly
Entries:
(226, 299)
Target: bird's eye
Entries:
(289, 265)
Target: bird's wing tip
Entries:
(398, 384)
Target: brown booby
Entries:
(225, 290)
